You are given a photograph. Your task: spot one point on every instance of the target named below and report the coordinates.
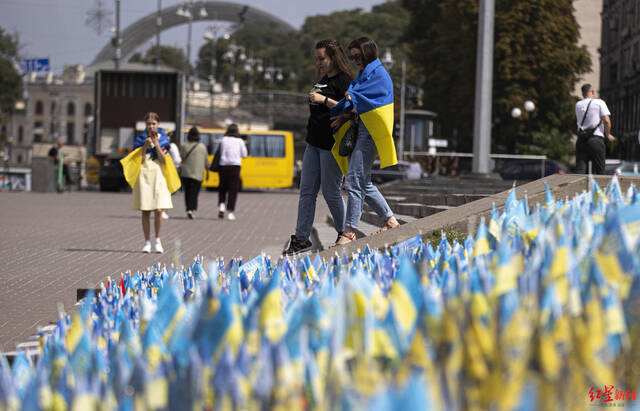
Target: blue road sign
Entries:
(37, 65)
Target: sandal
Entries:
(344, 238)
(387, 226)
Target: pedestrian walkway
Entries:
(52, 244)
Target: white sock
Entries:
(157, 240)
(147, 242)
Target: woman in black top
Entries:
(319, 167)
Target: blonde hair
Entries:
(152, 116)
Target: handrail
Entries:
(470, 155)
(542, 158)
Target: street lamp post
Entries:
(210, 35)
(251, 65)
(186, 12)
(529, 107)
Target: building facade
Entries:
(57, 108)
(587, 14)
(620, 73)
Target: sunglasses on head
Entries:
(355, 57)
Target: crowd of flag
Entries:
(538, 309)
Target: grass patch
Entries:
(450, 233)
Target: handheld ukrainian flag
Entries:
(132, 162)
(372, 97)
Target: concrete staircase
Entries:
(413, 199)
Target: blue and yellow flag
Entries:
(372, 97)
(131, 168)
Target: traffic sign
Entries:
(37, 65)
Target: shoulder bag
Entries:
(348, 141)
(185, 158)
(215, 164)
(585, 134)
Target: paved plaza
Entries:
(53, 244)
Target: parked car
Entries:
(111, 174)
(401, 171)
(628, 168)
(529, 169)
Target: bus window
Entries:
(266, 145)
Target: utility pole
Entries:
(158, 25)
(117, 39)
(484, 85)
(403, 92)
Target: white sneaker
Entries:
(231, 216)
(222, 208)
(147, 247)
(165, 216)
(158, 247)
(190, 215)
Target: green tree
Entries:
(172, 57)
(536, 58)
(293, 51)
(10, 79)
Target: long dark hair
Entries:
(337, 55)
(232, 130)
(367, 47)
(194, 134)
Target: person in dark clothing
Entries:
(594, 126)
(195, 161)
(232, 151)
(54, 154)
(319, 167)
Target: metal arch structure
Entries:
(143, 29)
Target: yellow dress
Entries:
(150, 191)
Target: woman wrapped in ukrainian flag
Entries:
(151, 174)
(370, 96)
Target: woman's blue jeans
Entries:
(358, 183)
(319, 170)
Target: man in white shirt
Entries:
(594, 125)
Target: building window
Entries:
(39, 108)
(53, 108)
(71, 109)
(20, 134)
(52, 128)
(87, 110)
(37, 131)
(19, 158)
(70, 133)
(85, 134)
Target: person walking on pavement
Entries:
(594, 125)
(177, 161)
(150, 192)
(319, 167)
(371, 96)
(54, 153)
(195, 161)
(232, 151)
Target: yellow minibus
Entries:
(268, 165)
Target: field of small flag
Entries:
(539, 309)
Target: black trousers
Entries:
(191, 190)
(229, 183)
(592, 149)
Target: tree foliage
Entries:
(292, 52)
(10, 79)
(536, 57)
(169, 56)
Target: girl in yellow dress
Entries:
(150, 192)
